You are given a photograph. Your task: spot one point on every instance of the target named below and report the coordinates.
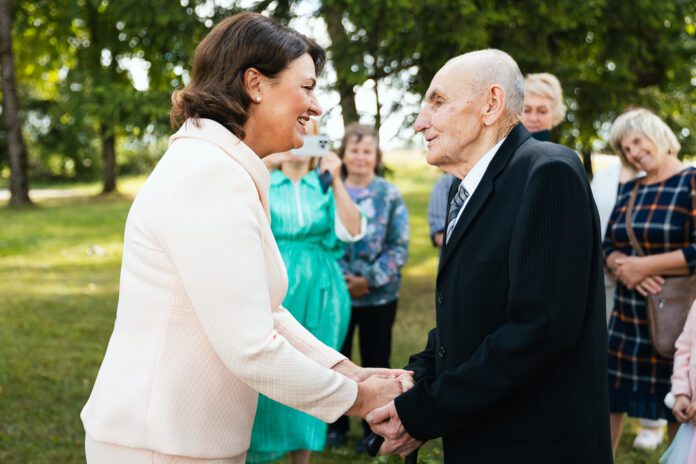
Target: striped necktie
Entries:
(455, 206)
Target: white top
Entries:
(474, 176)
(605, 186)
(199, 327)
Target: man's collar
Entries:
(474, 176)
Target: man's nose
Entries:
(422, 121)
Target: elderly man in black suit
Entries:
(516, 368)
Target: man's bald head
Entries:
(487, 67)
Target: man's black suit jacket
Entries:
(516, 369)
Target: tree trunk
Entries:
(348, 108)
(109, 158)
(16, 149)
(332, 14)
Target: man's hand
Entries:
(372, 393)
(357, 286)
(438, 238)
(681, 404)
(385, 421)
(406, 381)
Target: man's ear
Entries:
(252, 84)
(495, 105)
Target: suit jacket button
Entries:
(440, 298)
(441, 352)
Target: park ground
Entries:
(59, 271)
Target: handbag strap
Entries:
(629, 219)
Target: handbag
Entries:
(668, 309)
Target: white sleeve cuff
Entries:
(342, 233)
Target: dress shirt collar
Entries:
(474, 176)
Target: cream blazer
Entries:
(199, 326)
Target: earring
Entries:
(258, 98)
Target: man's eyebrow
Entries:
(433, 94)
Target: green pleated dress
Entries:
(302, 220)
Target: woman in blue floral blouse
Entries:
(372, 266)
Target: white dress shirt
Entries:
(474, 176)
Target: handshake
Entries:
(377, 388)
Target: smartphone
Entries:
(314, 145)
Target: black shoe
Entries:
(361, 447)
(335, 438)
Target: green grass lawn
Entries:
(59, 270)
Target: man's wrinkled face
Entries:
(451, 118)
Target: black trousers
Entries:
(375, 335)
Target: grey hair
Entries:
(497, 67)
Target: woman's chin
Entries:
(297, 140)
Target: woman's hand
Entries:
(351, 370)
(681, 404)
(275, 160)
(332, 163)
(691, 412)
(650, 286)
(632, 270)
(611, 261)
(358, 286)
(374, 392)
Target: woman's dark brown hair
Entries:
(354, 133)
(246, 40)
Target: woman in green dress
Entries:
(311, 227)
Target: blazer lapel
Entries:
(484, 190)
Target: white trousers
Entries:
(98, 452)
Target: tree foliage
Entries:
(82, 99)
(79, 98)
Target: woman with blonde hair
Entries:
(664, 224)
(200, 329)
(543, 104)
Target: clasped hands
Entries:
(635, 274)
(377, 388)
(684, 409)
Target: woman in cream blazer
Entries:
(199, 327)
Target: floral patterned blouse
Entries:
(381, 254)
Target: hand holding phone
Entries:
(329, 168)
(325, 179)
(314, 145)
